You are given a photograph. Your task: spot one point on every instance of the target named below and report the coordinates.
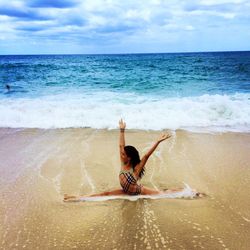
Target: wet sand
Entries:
(38, 166)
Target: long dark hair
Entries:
(133, 154)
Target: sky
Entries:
(119, 26)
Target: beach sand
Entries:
(38, 166)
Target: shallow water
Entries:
(38, 166)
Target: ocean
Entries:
(191, 91)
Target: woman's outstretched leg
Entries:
(173, 190)
(107, 193)
(149, 191)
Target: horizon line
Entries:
(127, 53)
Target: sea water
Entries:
(193, 91)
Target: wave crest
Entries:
(102, 111)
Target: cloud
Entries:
(22, 13)
(74, 20)
(52, 3)
(30, 28)
(150, 25)
(119, 28)
(216, 7)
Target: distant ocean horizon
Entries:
(204, 91)
(128, 53)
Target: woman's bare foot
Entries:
(69, 197)
(197, 194)
(200, 195)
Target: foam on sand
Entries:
(187, 192)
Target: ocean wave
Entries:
(102, 110)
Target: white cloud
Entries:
(189, 27)
(217, 2)
(132, 14)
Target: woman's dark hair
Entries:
(133, 154)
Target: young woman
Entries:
(132, 170)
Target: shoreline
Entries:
(39, 165)
(183, 130)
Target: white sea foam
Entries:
(103, 109)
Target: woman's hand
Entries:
(122, 124)
(164, 137)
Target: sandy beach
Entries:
(38, 166)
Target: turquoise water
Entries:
(213, 88)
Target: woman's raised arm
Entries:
(122, 126)
(144, 159)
